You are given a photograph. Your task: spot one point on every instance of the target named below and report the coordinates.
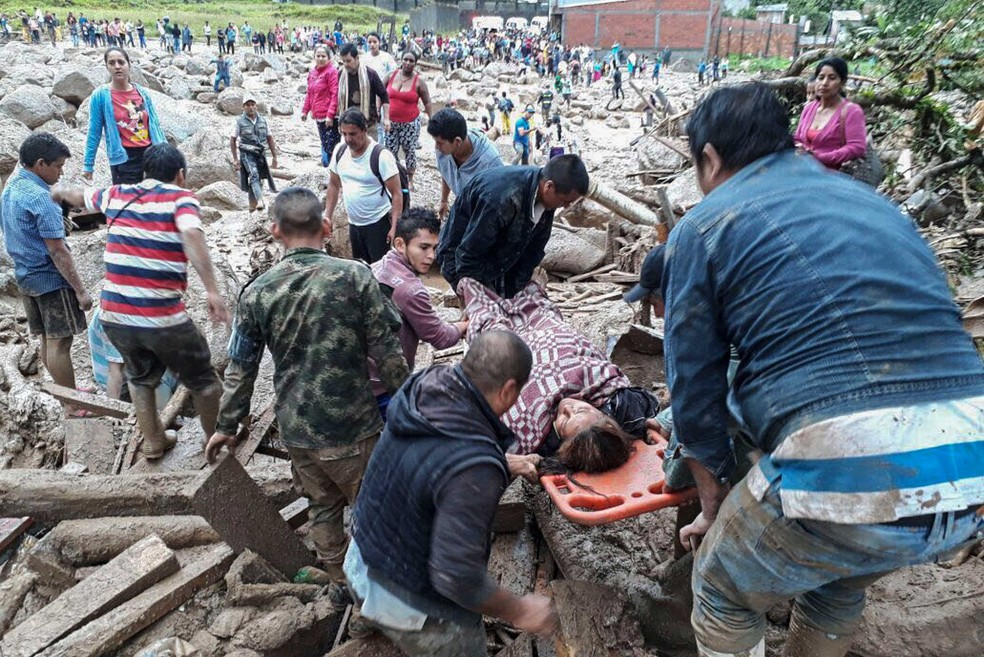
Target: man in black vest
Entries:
(418, 561)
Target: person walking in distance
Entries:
(55, 300)
(321, 101)
(406, 91)
(248, 145)
(322, 319)
(367, 176)
(141, 307)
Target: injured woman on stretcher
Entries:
(578, 411)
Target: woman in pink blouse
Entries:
(321, 101)
(831, 127)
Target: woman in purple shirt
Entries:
(831, 127)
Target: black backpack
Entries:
(374, 166)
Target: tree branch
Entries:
(895, 97)
(974, 157)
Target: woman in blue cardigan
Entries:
(125, 112)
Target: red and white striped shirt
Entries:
(146, 266)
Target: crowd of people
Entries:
(779, 290)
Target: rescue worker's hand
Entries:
(215, 444)
(443, 210)
(536, 614)
(273, 163)
(235, 164)
(524, 466)
(217, 309)
(391, 235)
(692, 535)
(652, 424)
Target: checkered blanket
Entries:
(565, 363)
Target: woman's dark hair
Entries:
(163, 162)
(743, 122)
(600, 448)
(414, 220)
(348, 49)
(354, 117)
(448, 124)
(125, 54)
(836, 63)
(411, 53)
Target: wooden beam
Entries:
(233, 504)
(93, 403)
(200, 567)
(12, 528)
(257, 434)
(295, 514)
(140, 566)
(595, 620)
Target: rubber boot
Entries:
(156, 441)
(804, 641)
(757, 651)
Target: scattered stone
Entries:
(12, 135)
(210, 161)
(228, 622)
(282, 109)
(178, 88)
(230, 101)
(223, 195)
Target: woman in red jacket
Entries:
(321, 101)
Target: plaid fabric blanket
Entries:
(565, 363)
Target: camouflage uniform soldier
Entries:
(321, 318)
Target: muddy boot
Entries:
(154, 449)
(804, 641)
(757, 651)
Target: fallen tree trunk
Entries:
(623, 206)
(51, 497)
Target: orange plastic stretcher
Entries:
(628, 491)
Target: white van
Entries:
(517, 23)
(487, 23)
(541, 22)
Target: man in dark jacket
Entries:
(500, 224)
(418, 560)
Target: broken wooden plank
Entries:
(295, 514)
(595, 620)
(591, 274)
(12, 528)
(200, 567)
(375, 645)
(50, 497)
(93, 403)
(12, 593)
(259, 430)
(91, 442)
(512, 561)
(521, 646)
(140, 566)
(232, 503)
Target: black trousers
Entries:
(131, 171)
(369, 242)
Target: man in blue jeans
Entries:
(856, 380)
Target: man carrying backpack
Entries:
(373, 187)
(506, 108)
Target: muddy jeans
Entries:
(439, 638)
(754, 557)
(330, 478)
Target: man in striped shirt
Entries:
(154, 230)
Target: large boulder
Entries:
(30, 105)
(178, 88)
(38, 75)
(12, 135)
(195, 67)
(146, 79)
(66, 111)
(223, 195)
(178, 123)
(209, 159)
(574, 252)
(77, 84)
(230, 101)
(260, 63)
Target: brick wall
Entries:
(745, 37)
(646, 25)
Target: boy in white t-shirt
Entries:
(372, 194)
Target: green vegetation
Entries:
(258, 12)
(753, 64)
